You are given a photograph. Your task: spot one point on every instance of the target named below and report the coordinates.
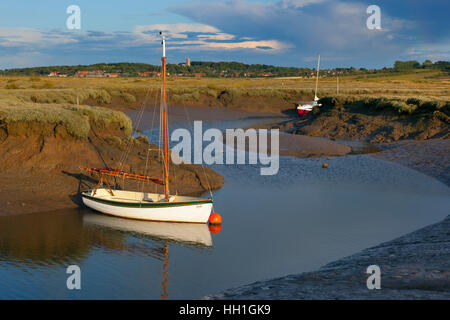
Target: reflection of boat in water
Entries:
(189, 233)
(43, 243)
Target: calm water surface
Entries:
(295, 221)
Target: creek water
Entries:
(295, 221)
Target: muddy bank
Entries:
(356, 122)
(414, 266)
(40, 165)
(431, 157)
(301, 147)
(419, 140)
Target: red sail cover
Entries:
(123, 174)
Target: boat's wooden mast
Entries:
(166, 151)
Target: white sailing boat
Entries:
(147, 206)
(303, 110)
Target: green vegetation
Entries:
(127, 69)
(427, 64)
(406, 65)
(224, 69)
(99, 96)
(11, 86)
(77, 120)
(424, 83)
(127, 97)
(77, 103)
(396, 104)
(211, 69)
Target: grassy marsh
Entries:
(74, 102)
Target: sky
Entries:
(277, 32)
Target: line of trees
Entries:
(427, 64)
(218, 69)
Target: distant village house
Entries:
(96, 74)
(56, 74)
(149, 74)
(90, 74)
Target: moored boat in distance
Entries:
(303, 110)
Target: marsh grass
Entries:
(55, 100)
(100, 96)
(127, 97)
(76, 119)
(12, 86)
(423, 84)
(400, 105)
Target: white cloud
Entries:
(269, 46)
(201, 36)
(176, 31)
(217, 36)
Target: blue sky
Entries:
(279, 32)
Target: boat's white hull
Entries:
(186, 209)
(307, 108)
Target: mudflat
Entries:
(41, 165)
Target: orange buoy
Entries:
(215, 228)
(215, 218)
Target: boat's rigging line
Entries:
(150, 139)
(127, 151)
(204, 171)
(129, 147)
(119, 173)
(150, 206)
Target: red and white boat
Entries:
(303, 110)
